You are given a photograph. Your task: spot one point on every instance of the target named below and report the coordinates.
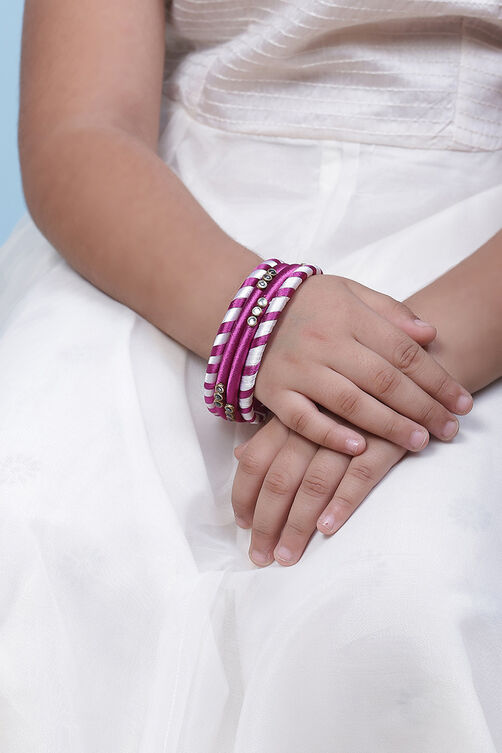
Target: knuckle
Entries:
(328, 437)
(426, 413)
(361, 472)
(397, 307)
(386, 382)
(315, 484)
(407, 354)
(343, 505)
(443, 386)
(390, 427)
(300, 421)
(348, 403)
(250, 464)
(277, 483)
(294, 527)
(262, 530)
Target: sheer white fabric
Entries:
(132, 620)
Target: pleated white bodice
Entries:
(415, 73)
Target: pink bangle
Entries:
(245, 338)
(238, 347)
(235, 352)
(224, 332)
(288, 283)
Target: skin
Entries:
(286, 486)
(90, 97)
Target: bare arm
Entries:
(91, 86)
(465, 304)
(91, 77)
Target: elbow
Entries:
(35, 171)
(45, 172)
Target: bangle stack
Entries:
(243, 335)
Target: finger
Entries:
(376, 376)
(343, 398)
(406, 355)
(317, 487)
(254, 461)
(361, 476)
(240, 449)
(276, 496)
(396, 312)
(300, 414)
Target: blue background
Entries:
(12, 205)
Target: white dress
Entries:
(366, 138)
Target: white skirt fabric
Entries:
(131, 617)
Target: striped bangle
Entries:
(238, 347)
(238, 343)
(213, 391)
(288, 283)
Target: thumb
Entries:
(396, 312)
(403, 317)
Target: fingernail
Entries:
(260, 557)
(450, 429)
(464, 403)
(241, 522)
(327, 522)
(421, 323)
(418, 439)
(353, 445)
(284, 554)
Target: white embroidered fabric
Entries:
(423, 73)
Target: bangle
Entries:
(248, 405)
(241, 338)
(239, 344)
(212, 395)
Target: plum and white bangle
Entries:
(225, 330)
(279, 297)
(243, 335)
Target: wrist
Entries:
(470, 358)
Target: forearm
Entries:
(465, 304)
(125, 221)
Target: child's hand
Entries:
(285, 484)
(356, 352)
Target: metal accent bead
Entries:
(252, 321)
(262, 302)
(262, 284)
(218, 403)
(220, 387)
(272, 272)
(256, 310)
(267, 277)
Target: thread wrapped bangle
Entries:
(238, 347)
(212, 391)
(238, 344)
(290, 282)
